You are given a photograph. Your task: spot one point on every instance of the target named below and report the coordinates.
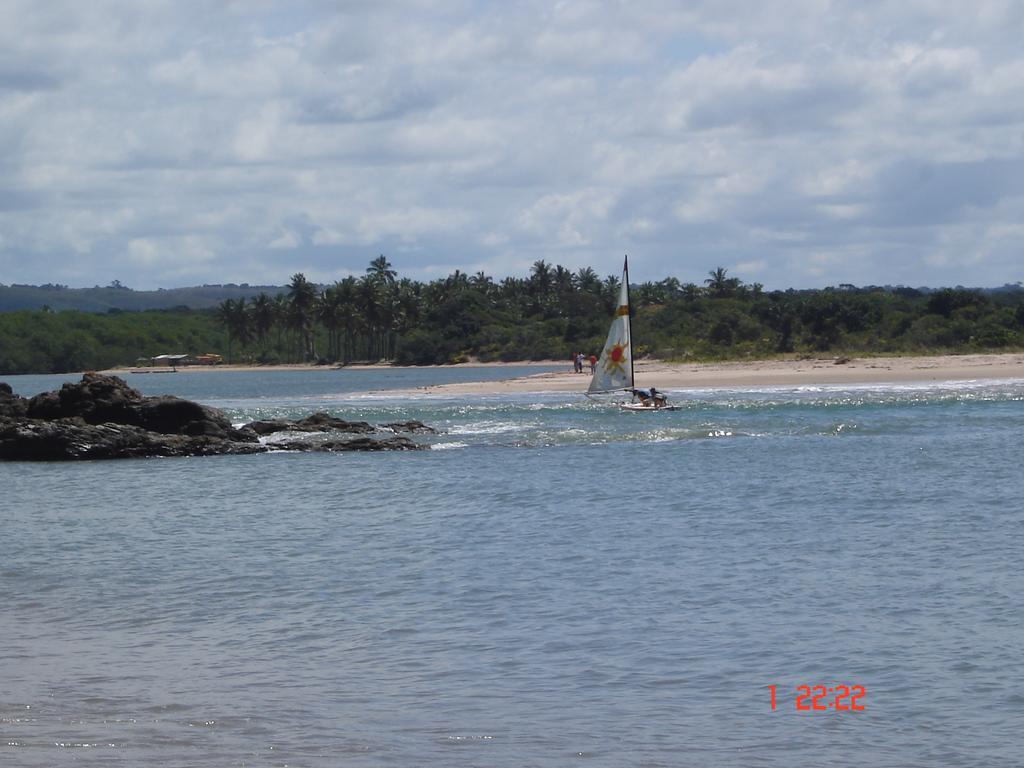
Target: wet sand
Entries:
(769, 373)
(761, 373)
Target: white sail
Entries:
(615, 368)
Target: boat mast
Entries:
(629, 325)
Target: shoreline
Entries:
(823, 371)
(768, 373)
(245, 368)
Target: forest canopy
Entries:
(548, 314)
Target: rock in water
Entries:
(318, 422)
(101, 417)
(99, 399)
(69, 439)
(416, 427)
(12, 406)
(395, 443)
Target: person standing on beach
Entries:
(593, 362)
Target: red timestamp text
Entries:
(821, 698)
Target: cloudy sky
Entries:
(800, 143)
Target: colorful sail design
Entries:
(615, 368)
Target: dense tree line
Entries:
(117, 296)
(549, 313)
(42, 341)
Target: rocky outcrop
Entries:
(11, 406)
(101, 417)
(318, 422)
(415, 427)
(73, 438)
(99, 399)
(396, 443)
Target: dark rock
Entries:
(101, 417)
(369, 444)
(68, 439)
(172, 415)
(416, 427)
(12, 406)
(395, 443)
(96, 399)
(318, 422)
(99, 399)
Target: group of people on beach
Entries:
(579, 360)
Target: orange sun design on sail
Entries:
(616, 358)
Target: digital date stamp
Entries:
(821, 698)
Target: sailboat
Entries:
(614, 371)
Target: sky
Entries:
(797, 144)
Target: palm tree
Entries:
(345, 295)
(481, 281)
(691, 291)
(280, 303)
(225, 318)
(670, 288)
(719, 285)
(381, 269)
(540, 276)
(648, 293)
(367, 299)
(242, 321)
(387, 299)
(586, 279)
(234, 316)
(328, 313)
(562, 279)
(407, 311)
(263, 319)
(302, 298)
(610, 292)
(540, 284)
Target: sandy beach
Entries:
(767, 373)
(309, 367)
(669, 376)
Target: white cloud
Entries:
(286, 241)
(569, 220)
(837, 141)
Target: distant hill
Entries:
(118, 297)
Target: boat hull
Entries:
(639, 407)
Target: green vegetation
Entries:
(549, 314)
(117, 296)
(40, 341)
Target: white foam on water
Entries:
(491, 428)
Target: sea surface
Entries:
(554, 583)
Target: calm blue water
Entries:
(554, 584)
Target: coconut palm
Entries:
(367, 298)
(302, 299)
(263, 319)
(234, 317)
(586, 279)
(225, 318)
(381, 269)
(540, 278)
(719, 285)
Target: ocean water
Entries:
(554, 583)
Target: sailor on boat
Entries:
(650, 398)
(614, 370)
